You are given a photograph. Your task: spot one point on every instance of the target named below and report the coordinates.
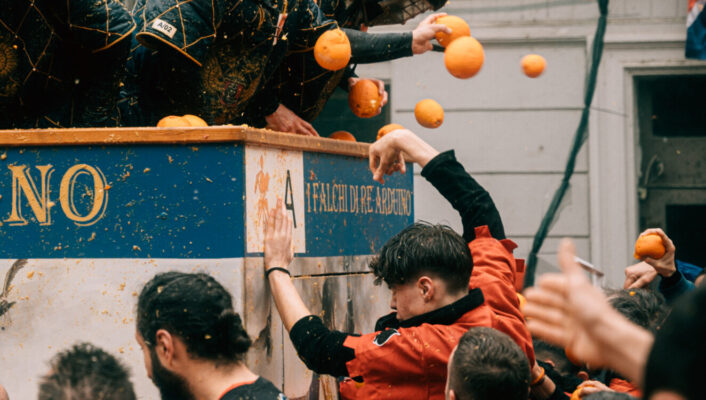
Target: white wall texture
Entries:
(513, 133)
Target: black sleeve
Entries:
(465, 195)
(369, 48)
(321, 349)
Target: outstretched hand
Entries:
(563, 308)
(664, 266)
(423, 34)
(566, 310)
(389, 153)
(285, 120)
(278, 238)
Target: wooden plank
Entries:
(211, 134)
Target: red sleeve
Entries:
(495, 273)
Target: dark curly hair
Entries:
(85, 372)
(423, 248)
(198, 310)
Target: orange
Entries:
(343, 135)
(464, 57)
(576, 395)
(172, 121)
(533, 65)
(193, 120)
(458, 27)
(649, 245)
(522, 300)
(429, 113)
(333, 50)
(387, 129)
(364, 98)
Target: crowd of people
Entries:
(457, 330)
(86, 63)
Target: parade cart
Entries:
(87, 216)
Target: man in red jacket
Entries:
(428, 269)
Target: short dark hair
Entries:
(609, 395)
(198, 310)
(85, 372)
(423, 248)
(643, 307)
(676, 361)
(487, 365)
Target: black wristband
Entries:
(269, 271)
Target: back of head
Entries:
(608, 395)
(85, 372)
(198, 310)
(488, 365)
(643, 307)
(422, 249)
(676, 361)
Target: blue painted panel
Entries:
(347, 213)
(162, 201)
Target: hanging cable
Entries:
(579, 138)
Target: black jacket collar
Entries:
(446, 315)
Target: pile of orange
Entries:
(175, 121)
(343, 135)
(332, 50)
(364, 98)
(387, 129)
(429, 113)
(649, 245)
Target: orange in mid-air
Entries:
(175, 121)
(458, 27)
(343, 135)
(464, 57)
(429, 113)
(649, 245)
(364, 98)
(387, 129)
(533, 65)
(332, 50)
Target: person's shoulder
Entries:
(261, 389)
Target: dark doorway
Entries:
(672, 183)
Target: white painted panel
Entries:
(534, 141)
(62, 302)
(521, 199)
(500, 84)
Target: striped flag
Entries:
(696, 30)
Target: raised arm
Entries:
(443, 171)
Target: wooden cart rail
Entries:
(211, 134)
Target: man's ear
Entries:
(426, 288)
(452, 394)
(164, 346)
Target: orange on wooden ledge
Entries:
(429, 113)
(464, 57)
(458, 27)
(175, 121)
(343, 135)
(649, 245)
(364, 98)
(332, 50)
(533, 65)
(387, 129)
